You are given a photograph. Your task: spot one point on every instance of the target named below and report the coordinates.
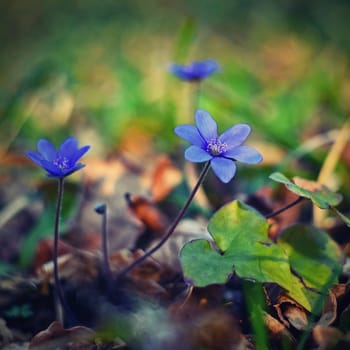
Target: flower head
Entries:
(222, 151)
(59, 163)
(194, 71)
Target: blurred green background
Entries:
(98, 69)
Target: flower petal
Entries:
(204, 68)
(52, 170)
(180, 72)
(35, 157)
(68, 148)
(194, 71)
(206, 125)
(236, 135)
(244, 154)
(46, 149)
(197, 154)
(224, 169)
(191, 134)
(79, 153)
(76, 167)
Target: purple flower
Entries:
(194, 71)
(59, 163)
(222, 151)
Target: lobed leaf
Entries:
(313, 255)
(319, 194)
(203, 266)
(241, 234)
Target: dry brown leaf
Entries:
(105, 171)
(136, 143)
(148, 213)
(216, 330)
(296, 316)
(329, 313)
(308, 185)
(44, 251)
(277, 329)
(153, 221)
(341, 289)
(148, 269)
(58, 338)
(326, 337)
(146, 278)
(77, 267)
(290, 313)
(164, 178)
(287, 217)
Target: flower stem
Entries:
(172, 227)
(286, 207)
(102, 210)
(197, 94)
(58, 287)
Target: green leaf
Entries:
(241, 234)
(313, 255)
(320, 195)
(279, 177)
(234, 221)
(203, 266)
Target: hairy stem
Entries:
(173, 226)
(286, 207)
(102, 210)
(58, 287)
(197, 94)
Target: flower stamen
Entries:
(62, 163)
(215, 147)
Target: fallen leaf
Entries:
(277, 329)
(164, 178)
(148, 213)
(58, 338)
(105, 171)
(77, 267)
(329, 313)
(44, 251)
(319, 194)
(326, 337)
(216, 330)
(290, 313)
(296, 316)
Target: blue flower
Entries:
(194, 71)
(59, 163)
(222, 151)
